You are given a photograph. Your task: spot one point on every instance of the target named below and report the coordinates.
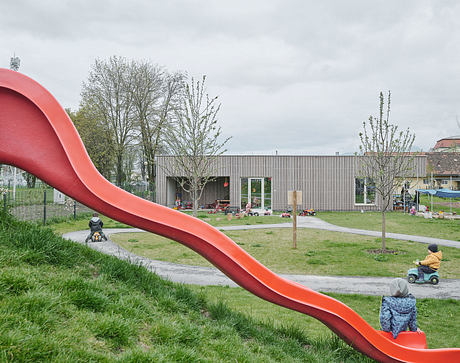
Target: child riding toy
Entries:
(412, 275)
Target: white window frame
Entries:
(364, 193)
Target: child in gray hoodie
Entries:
(398, 311)
(95, 225)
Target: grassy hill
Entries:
(60, 301)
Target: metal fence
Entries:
(43, 203)
(39, 204)
(139, 189)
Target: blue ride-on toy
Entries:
(412, 276)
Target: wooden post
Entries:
(293, 197)
(294, 223)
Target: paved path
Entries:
(342, 284)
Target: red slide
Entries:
(36, 135)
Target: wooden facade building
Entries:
(326, 182)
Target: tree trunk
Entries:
(195, 202)
(151, 191)
(384, 246)
(30, 180)
(120, 170)
(151, 178)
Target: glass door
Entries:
(256, 191)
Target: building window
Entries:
(426, 181)
(364, 191)
(244, 192)
(444, 182)
(258, 191)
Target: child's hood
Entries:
(438, 255)
(402, 305)
(95, 219)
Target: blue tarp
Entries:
(426, 191)
(443, 193)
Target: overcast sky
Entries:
(296, 77)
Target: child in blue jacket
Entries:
(398, 311)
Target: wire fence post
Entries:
(4, 202)
(9, 182)
(44, 207)
(74, 209)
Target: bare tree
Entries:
(386, 157)
(194, 141)
(108, 93)
(156, 95)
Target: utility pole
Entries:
(14, 65)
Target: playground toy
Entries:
(308, 212)
(412, 276)
(96, 237)
(217, 208)
(232, 210)
(37, 135)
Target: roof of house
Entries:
(443, 163)
(447, 142)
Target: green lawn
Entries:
(396, 222)
(318, 252)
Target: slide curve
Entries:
(37, 135)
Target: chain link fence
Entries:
(140, 189)
(40, 204)
(43, 203)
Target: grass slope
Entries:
(63, 302)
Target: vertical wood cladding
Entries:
(326, 182)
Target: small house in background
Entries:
(58, 197)
(443, 170)
(447, 144)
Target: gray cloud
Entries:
(294, 76)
